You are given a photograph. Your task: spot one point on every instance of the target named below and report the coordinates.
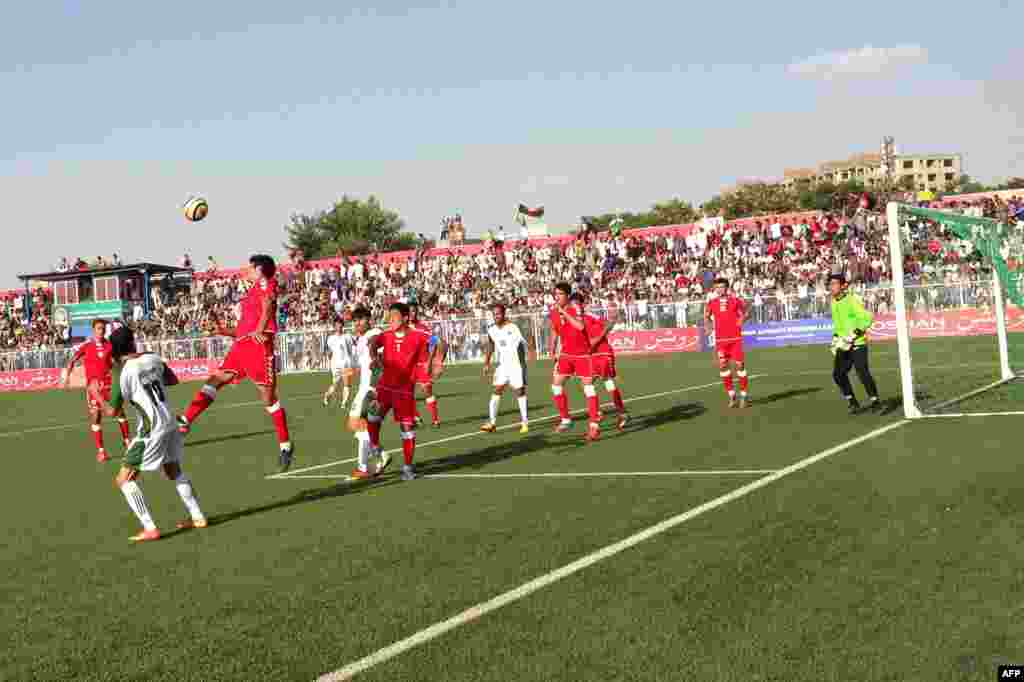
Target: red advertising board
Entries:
(45, 379)
(965, 322)
(657, 341)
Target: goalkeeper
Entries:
(850, 322)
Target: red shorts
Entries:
(603, 366)
(574, 366)
(401, 400)
(250, 359)
(730, 350)
(98, 387)
(421, 375)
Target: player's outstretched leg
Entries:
(202, 401)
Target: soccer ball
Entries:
(196, 209)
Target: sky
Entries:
(114, 114)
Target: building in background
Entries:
(930, 172)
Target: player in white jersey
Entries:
(365, 401)
(157, 444)
(506, 339)
(342, 347)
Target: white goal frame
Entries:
(910, 407)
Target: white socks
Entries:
(364, 450)
(522, 409)
(188, 496)
(137, 502)
(493, 408)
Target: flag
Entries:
(523, 212)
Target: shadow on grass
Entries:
(785, 395)
(496, 452)
(229, 437)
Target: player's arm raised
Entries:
(71, 365)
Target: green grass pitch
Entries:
(897, 559)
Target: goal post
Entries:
(952, 370)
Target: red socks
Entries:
(204, 398)
(432, 406)
(408, 449)
(122, 424)
(727, 381)
(617, 399)
(594, 408)
(561, 402)
(280, 422)
(744, 380)
(97, 436)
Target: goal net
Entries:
(957, 305)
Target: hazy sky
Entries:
(114, 113)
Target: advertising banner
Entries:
(795, 333)
(657, 341)
(193, 370)
(75, 314)
(30, 380)
(964, 322)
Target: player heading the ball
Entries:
(251, 356)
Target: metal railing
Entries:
(306, 351)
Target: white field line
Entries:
(250, 403)
(475, 612)
(575, 474)
(513, 425)
(971, 414)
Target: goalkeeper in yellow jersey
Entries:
(850, 324)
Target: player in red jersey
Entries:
(424, 373)
(573, 361)
(401, 348)
(251, 356)
(96, 357)
(603, 360)
(729, 312)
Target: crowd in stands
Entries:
(768, 260)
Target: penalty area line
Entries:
(475, 612)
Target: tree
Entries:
(351, 225)
(966, 185)
(1015, 183)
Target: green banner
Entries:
(76, 314)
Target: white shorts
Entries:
(514, 376)
(361, 402)
(152, 452)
